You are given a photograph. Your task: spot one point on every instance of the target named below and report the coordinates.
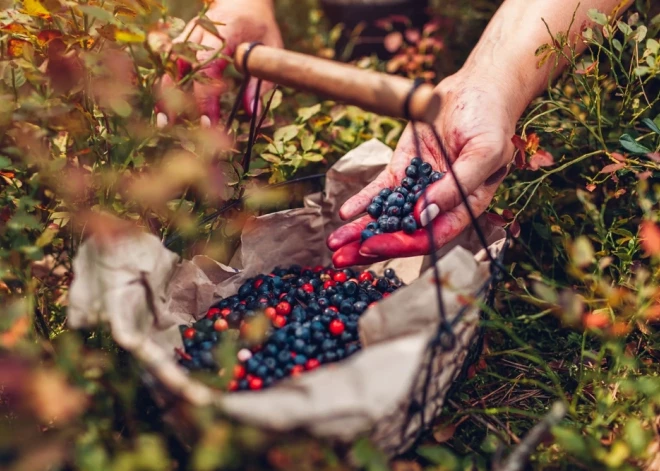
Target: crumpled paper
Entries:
(144, 292)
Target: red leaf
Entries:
(542, 158)
(393, 41)
(591, 187)
(412, 35)
(587, 69)
(611, 168)
(618, 157)
(654, 156)
(496, 219)
(519, 157)
(47, 35)
(649, 234)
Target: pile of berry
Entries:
(313, 314)
(392, 209)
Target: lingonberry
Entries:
(336, 327)
(189, 333)
(340, 277)
(256, 383)
(283, 308)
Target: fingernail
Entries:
(205, 122)
(161, 120)
(364, 252)
(428, 214)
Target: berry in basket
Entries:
(313, 315)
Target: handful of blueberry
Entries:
(392, 209)
(313, 314)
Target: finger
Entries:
(358, 203)
(207, 92)
(470, 170)
(167, 114)
(348, 233)
(446, 226)
(349, 256)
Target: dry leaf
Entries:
(649, 235)
(542, 158)
(612, 168)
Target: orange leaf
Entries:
(15, 47)
(649, 234)
(595, 320)
(587, 69)
(17, 331)
(591, 187)
(532, 144)
(611, 168)
(444, 433)
(14, 28)
(653, 313)
(47, 35)
(618, 157)
(542, 158)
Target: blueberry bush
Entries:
(574, 320)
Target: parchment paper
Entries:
(144, 292)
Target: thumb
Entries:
(250, 96)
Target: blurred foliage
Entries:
(574, 320)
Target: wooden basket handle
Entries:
(373, 91)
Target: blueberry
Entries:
(389, 273)
(351, 349)
(411, 171)
(374, 210)
(330, 292)
(351, 326)
(393, 224)
(330, 356)
(417, 161)
(341, 353)
(206, 359)
(384, 193)
(346, 307)
(408, 224)
(372, 226)
(407, 209)
(411, 198)
(407, 183)
(245, 290)
(402, 190)
(378, 231)
(382, 222)
(314, 308)
(303, 333)
(300, 359)
(270, 363)
(262, 371)
(346, 337)
(310, 350)
(279, 374)
(279, 337)
(423, 181)
(435, 176)
(425, 169)
(243, 384)
(206, 345)
(328, 345)
(268, 381)
(350, 288)
(382, 284)
(418, 195)
(188, 343)
(323, 302)
(359, 307)
(271, 349)
(396, 199)
(299, 345)
(374, 295)
(251, 365)
(318, 336)
(378, 200)
(394, 211)
(337, 300)
(316, 326)
(283, 357)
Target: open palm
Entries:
(476, 126)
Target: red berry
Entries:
(279, 321)
(386, 295)
(183, 354)
(242, 302)
(239, 371)
(372, 305)
(333, 308)
(270, 312)
(233, 385)
(258, 283)
(340, 277)
(312, 363)
(318, 269)
(256, 383)
(189, 333)
(307, 287)
(327, 284)
(336, 327)
(283, 308)
(220, 325)
(225, 312)
(297, 370)
(365, 276)
(214, 311)
(293, 354)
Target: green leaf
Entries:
(277, 98)
(598, 17)
(369, 457)
(624, 28)
(631, 145)
(570, 440)
(206, 23)
(286, 133)
(651, 125)
(635, 435)
(640, 34)
(439, 455)
(617, 45)
(305, 113)
(652, 45)
(307, 141)
(271, 158)
(4, 161)
(312, 157)
(641, 70)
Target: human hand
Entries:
(476, 121)
(244, 21)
